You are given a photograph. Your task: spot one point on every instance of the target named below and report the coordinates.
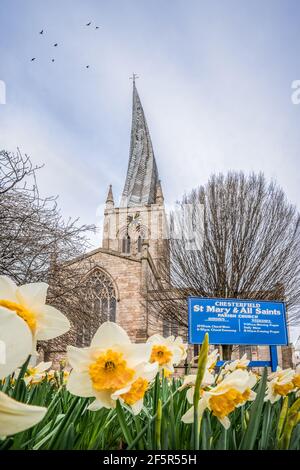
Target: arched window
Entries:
(101, 297)
(139, 244)
(126, 244)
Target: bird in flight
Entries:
(33, 58)
(42, 32)
(53, 60)
(89, 24)
(97, 27)
(87, 66)
(55, 45)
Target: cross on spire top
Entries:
(134, 77)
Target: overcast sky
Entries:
(215, 83)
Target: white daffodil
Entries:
(231, 393)
(36, 374)
(183, 347)
(112, 363)
(135, 396)
(165, 351)
(241, 363)
(36, 321)
(229, 367)
(16, 417)
(280, 384)
(296, 379)
(16, 342)
(208, 379)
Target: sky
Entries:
(215, 80)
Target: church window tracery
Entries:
(101, 297)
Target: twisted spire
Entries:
(142, 175)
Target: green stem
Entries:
(202, 360)
(158, 425)
(144, 429)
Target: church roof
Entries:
(142, 175)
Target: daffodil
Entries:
(17, 340)
(280, 384)
(232, 392)
(231, 366)
(36, 374)
(208, 379)
(183, 347)
(16, 417)
(296, 378)
(24, 319)
(111, 364)
(134, 397)
(165, 351)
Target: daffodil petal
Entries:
(188, 417)
(104, 399)
(79, 358)
(95, 406)
(16, 417)
(137, 407)
(147, 371)
(108, 334)
(32, 295)
(80, 384)
(177, 355)
(16, 341)
(51, 323)
(225, 422)
(190, 395)
(42, 366)
(7, 289)
(136, 353)
(156, 339)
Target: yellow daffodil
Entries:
(24, 319)
(229, 367)
(231, 393)
(36, 374)
(111, 364)
(165, 351)
(16, 417)
(280, 384)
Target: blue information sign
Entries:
(235, 321)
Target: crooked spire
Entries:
(142, 175)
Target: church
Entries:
(134, 250)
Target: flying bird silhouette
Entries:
(33, 58)
(42, 32)
(89, 24)
(97, 27)
(53, 60)
(55, 45)
(87, 66)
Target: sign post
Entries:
(237, 321)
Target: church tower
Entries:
(139, 224)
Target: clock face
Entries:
(134, 222)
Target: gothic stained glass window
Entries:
(101, 297)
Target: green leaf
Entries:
(249, 438)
